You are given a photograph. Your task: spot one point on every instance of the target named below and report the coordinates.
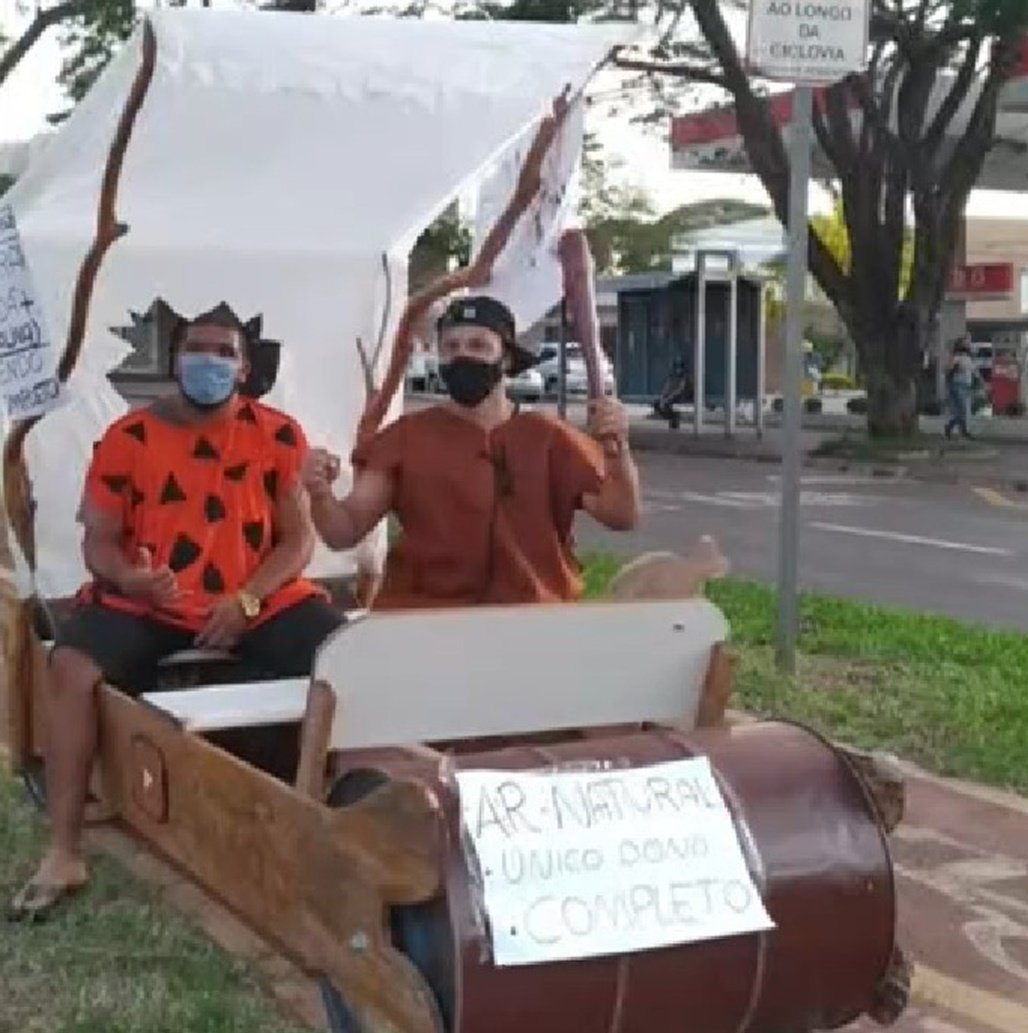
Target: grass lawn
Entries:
(951, 697)
(115, 961)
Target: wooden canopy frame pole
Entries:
(20, 644)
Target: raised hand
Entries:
(158, 587)
(320, 471)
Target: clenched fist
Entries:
(320, 470)
(608, 418)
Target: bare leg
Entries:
(71, 742)
(71, 736)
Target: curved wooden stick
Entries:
(580, 290)
(478, 274)
(17, 487)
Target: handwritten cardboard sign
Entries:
(28, 361)
(582, 864)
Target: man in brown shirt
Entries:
(485, 495)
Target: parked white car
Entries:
(575, 370)
(526, 386)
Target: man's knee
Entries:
(73, 671)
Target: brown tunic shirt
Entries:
(486, 517)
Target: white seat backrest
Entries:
(451, 674)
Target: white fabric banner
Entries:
(527, 276)
(274, 161)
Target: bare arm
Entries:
(293, 548)
(342, 523)
(102, 548)
(617, 504)
(132, 576)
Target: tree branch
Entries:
(679, 69)
(824, 137)
(764, 145)
(45, 18)
(954, 98)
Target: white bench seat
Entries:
(245, 705)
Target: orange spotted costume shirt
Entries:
(200, 500)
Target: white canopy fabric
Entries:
(275, 160)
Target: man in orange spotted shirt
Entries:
(197, 532)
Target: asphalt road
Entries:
(933, 548)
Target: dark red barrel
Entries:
(816, 850)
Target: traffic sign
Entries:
(813, 42)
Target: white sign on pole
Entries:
(808, 41)
(28, 362)
(583, 864)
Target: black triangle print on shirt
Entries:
(137, 430)
(237, 473)
(214, 509)
(271, 484)
(183, 553)
(285, 435)
(205, 450)
(116, 482)
(213, 582)
(246, 414)
(172, 491)
(254, 534)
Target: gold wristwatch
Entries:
(249, 603)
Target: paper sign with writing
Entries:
(581, 864)
(28, 361)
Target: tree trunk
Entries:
(891, 350)
(891, 407)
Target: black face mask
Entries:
(470, 381)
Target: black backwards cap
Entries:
(481, 310)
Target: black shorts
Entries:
(127, 648)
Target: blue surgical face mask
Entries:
(207, 380)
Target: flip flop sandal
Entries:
(36, 901)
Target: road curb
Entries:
(909, 470)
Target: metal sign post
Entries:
(796, 290)
(809, 44)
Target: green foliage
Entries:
(828, 347)
(91, 41)
(448, 238)
(835, 235)
(633, 244)
(837, 382)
